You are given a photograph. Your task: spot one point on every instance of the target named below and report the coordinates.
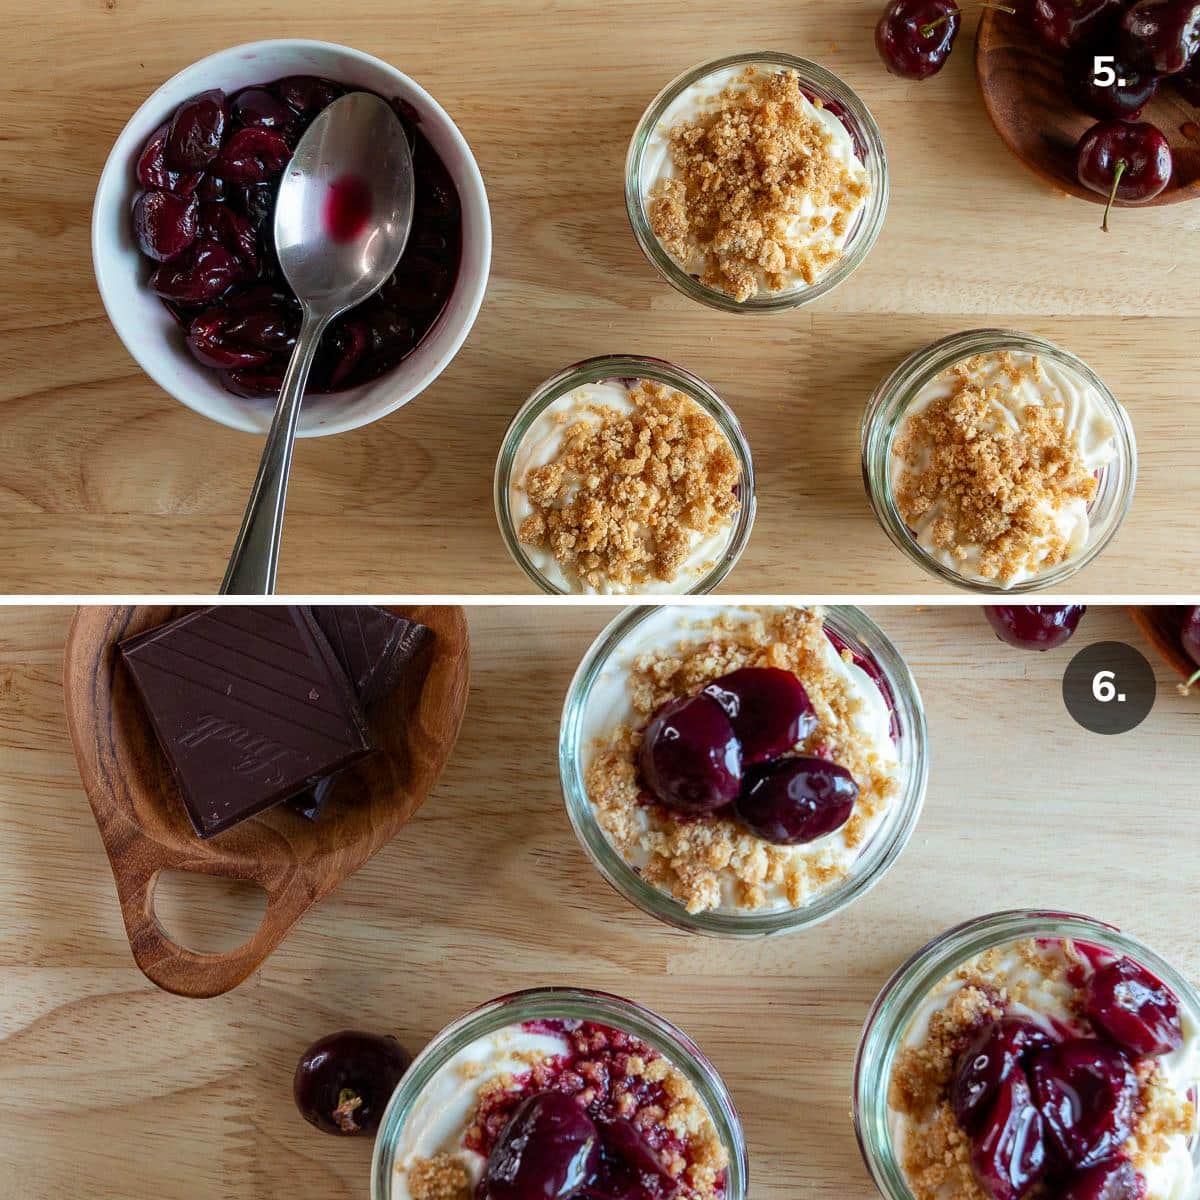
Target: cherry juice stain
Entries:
(347, 208)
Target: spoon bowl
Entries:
(345, 204)
(342, 219)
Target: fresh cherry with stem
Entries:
(914, 37)
(1124, 160)
(1131, 89)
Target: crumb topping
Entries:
(631, 491)
(936, 1155)
(986, 485)
(755, 177)
(689, 858)
(442, 1177)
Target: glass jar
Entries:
(891, 400)
(903, 994)
(625, 366)
(836, 96)
(544, 1004)
(850, 628)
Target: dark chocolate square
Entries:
(250, 706)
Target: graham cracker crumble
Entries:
(990, 487)
(936, 1154)
(442, 1177)
(747, 170)
(629, 492)
(689, 858)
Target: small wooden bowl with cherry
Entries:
(1099, 97)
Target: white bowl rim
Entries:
(473, 177)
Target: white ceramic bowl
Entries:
(152, 336)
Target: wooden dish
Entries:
(1160, 624)
(1023, 93)
(146, 830)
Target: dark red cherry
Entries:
(796, 800)
(350, 342)
(153, 172)
(1189, 634)
(629, 1168)
(769, 709)
(1085, 1090)
(257, 106)
(1162, 35)
(272, 328)
(253, 155)
(344, 1081)
(307, 94)
(258, 203)
(914, 37)
(1187, 82)
(1009, 1150)
(252, 383)
(993, 1055)
(1065, 24)
(1034, 626)
(1124, 160)
(220, 223)
(1136, 1010)
(690, 758)
(1116, 1180)
(1124, 98)
(198, 276)
(549, 1150)
(196, 132)
(164, 224)
(209, 341)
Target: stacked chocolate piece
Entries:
(255, 705)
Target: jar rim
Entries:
(570, 1003)
(867, 228)
(900, 997)
(595, 370)
(862, 635)
(894, 395)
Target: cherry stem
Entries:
(930, 27)
(349, 1101)
(1190, 683)
(1121, 166)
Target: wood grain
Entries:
(296, 862)
(107, 484)
(1023, 91)
(113, 1086)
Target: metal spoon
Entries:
(342, 218)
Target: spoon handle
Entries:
(255, 557)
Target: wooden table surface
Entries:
(111, 1088)
(107, 484)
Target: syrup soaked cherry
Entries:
(549, 1150)
(769, 709)
(690, 758)
(1116, 1180)
(1034, 626)
(1162, 35)
(1009, 1152)
(253, 155)
(344, 1081)
(196, 131)
(993, 1055)
(914, 37)
(1124, 160)
(1136, 1010)
(152, 170)
(1085, 1090)
(1124, 98)
(629, 1168)
(200, 275)
(796, 800)
(164, 224)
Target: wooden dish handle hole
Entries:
(207, 914)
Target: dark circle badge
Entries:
(1109, 687)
